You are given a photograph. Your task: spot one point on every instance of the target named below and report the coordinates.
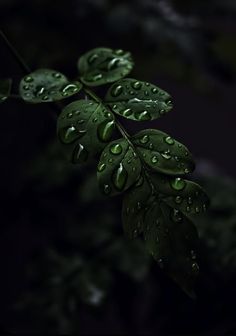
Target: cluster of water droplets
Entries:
(138, 100)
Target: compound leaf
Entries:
(103, 65)
(138, 100)
(171, 239)
(162, 153)
(119, 167)
(86, 126)
(5, 89)
(46, 85)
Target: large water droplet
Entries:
(136, 85)
(119, 177)
(144, 139)
(169, 140)
(178, 183)
(80, 154)
(116, 91)
(68, 134)
(116, 149)
(105, 130)
(127, 112)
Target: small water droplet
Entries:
(154, 90)
(69, 134)
(195, 268)
(26, 87)
(95, 119)
(106, 189)
(28, 79)
(97, 77)
(101, 167)
(178, 199)
(119, 177)
(176, 216)
(92, 58)
(190, 201)
(56, 75)
(154, 159)
(137, 85)
(119, 52)
(188, 209)
(116, 91)
(169, 140)
(69, 115)
(197, 209)
(144, 139)
(178, 183)
(160, 263)
(116, 149)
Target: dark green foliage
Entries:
(102, 65)
(87, 126)
(45, 85)
(158, 203)
(138, 100)
(5, 89)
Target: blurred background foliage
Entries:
(66, 266)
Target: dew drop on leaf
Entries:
(106, 189)
(178, 183)
(176, 216)
(28, 79)
(105, 130)
(116, 149)
(117, 90)
(101, 167)
(178, 199)
(80, 154)
(144, 139)
(154, 159)
(119, 177)
(136, 85)
(169, 140)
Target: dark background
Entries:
(65, 265)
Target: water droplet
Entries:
(45, 97)
(105, 130)
(136, 85)
(154, 159)
(40, 90)
(160, 263)
(169, 140)
(97, 77)
(176, 216)
(127, 112)
(135, 233)
(145, 115)
(28, 79)
(56, 75)
(154, 90)
(26, 87)
(92, 58)
(119, 52)
(95, 119)
(186, 170)
(178, 199)
(195, 268)
(116, 149)
(69, 115)
(69, 134)
(144, 139)
(107, 115)
(178, 183)
(190, 201)
(197, 209)
(106, 189)
(151, 146)
(193, 255)
(110, 160)
(70, 88)
(101, 167)
(140, 181)
(166, 155)
(113, 64)
(80, 154)
(116, 91)
(188, 209)
(146, 93)
(119, 177)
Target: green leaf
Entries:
(138, 100)
(119, 167)
(181, 194)
(5, 89)
(134, 206)
(172, 240)
(85, 126)
(102, 65)
(162, 153)
(46, 85)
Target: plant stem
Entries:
(15, 53)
